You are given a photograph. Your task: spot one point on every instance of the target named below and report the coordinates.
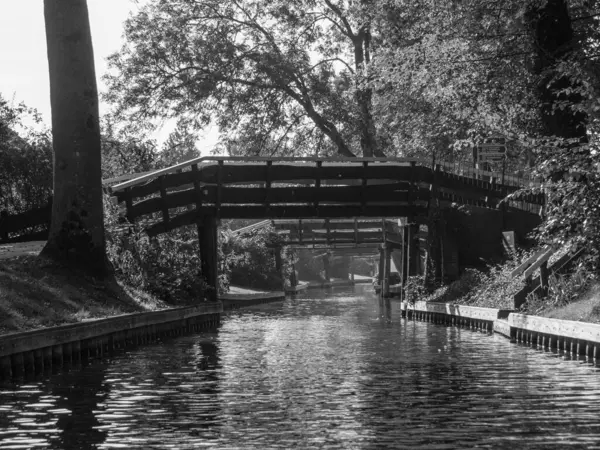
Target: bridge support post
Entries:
(207, 235)
(381, 269)
(352, 269)
(385, 287)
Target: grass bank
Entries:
(574, 295)
(37, 293)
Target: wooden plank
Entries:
(335, 235)
(529, 261)
(143, 177)
(259, 211)
(536, 265)
(364, 182)
(328, 244)
(287, 195)
(319, 224)
(197, 188)
(219, 188)
(317, 183)
(268, 184)
(232, 174)
(163, 203)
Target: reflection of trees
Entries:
(80, 392)
(207, 362)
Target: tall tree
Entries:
(555, 43)
(77, 229)
(275, 74)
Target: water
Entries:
(320, 371)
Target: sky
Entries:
(24, 61)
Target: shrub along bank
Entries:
(571, 296)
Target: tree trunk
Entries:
(77, 229)
(364, 95)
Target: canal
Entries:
(323, 370)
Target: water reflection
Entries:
(324, 370)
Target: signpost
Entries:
(492, 150)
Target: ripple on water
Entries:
(314, 372)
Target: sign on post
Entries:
(509, 242)
(492, 150)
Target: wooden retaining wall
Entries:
(38, 351)
(575, 338)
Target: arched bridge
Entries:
(241, 187)
(203, 190)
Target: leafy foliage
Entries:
(276, 76)
(562, 290)
(25, 160)
(250, 261)
(165, 266)
(415, 289)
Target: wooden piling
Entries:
(208, 255)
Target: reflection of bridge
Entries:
(203, 190)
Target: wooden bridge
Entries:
(241, 187)
(203, 190)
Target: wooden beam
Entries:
(290, 195)
(327, 244)
(538, 263)
(163, 203)
(248, 173)
(529, 261)
(255, 212)
(308, 225)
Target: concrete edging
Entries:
(577, 338)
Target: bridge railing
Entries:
(456, 168)
(254, 187)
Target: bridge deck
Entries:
(304, 188)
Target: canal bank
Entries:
(49, 349)
(575, 338)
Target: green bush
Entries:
(250, 259)
(415, 289)
(25, 161)
(166, 266)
